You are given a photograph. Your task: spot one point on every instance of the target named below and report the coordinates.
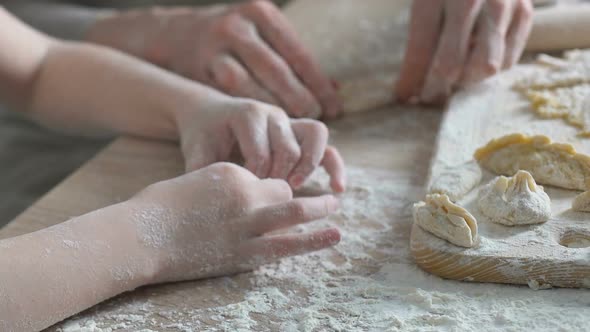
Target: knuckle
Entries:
(251, 109)
(226, 169)
(491, 68)
(226, 25)
(228, 77)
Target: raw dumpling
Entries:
(549, 163)
(455, 182)
(515, 201)
(582, 202)
(441, 217)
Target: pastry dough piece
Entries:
(582, 202)
(517, 200)
(441, 217)
(457, 181)
(549, 163)
(571, 103)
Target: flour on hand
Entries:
(517, 200)
(549, 163)
(441, 217)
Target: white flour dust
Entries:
(367, 283)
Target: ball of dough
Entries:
(516, 200)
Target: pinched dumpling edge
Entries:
(445, 219)
(496, 200)
(541, 143)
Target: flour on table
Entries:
(549, 163)
(517, 200)
(456, 181)
(324, 291)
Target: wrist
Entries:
(133, 263)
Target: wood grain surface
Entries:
(348, 40)
(536, 254)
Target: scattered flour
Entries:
(368, 283)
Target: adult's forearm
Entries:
(61, 20)
(54, 273)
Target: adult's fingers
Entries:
(230, 76)
(313, 139)
(275, 75)
(334, 165)
(488, 55)
(518, 32)
(447, 64)
(250, 127)
(424, 31)
(270, 248)
(278, 32)
(284, 147)
(293, 212)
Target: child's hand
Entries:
(271, 144)
(212, 222)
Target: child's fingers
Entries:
(334, 165)
(270, 248)
(313, 138)
(293, 212)
(283, 144)
(251, 132)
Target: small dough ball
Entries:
(516, 200)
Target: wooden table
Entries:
(395, 142)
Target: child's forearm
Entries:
(94, 90)
(54, 273)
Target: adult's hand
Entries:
(247, 50)
(452, 43)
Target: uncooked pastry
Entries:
(549, 163)
(517, 200)
(455, 182)
(441, 217)
(570, 103)
(582, 202)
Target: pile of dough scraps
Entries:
(562, 89)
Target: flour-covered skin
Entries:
(206, 223)
(458, 42)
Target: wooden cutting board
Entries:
(556, 253)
